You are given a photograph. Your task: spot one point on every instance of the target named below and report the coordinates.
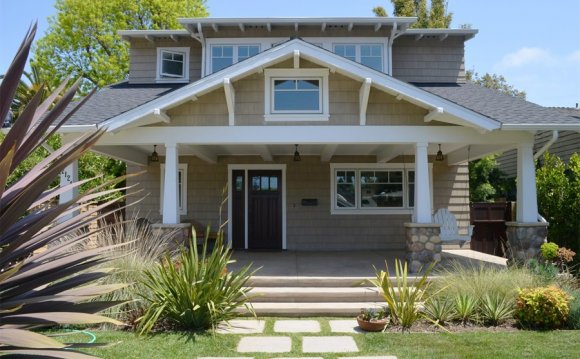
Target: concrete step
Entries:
(333, 282)
(315, 294)
(288, 309)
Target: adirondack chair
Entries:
(449, 229)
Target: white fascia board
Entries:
(540, 127)
(76, 128)
(307, 21)
(317, 55)
(271, 135)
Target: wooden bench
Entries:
(449, 229)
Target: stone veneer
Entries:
(525, 240)
(423, 244)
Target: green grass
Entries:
(512, 345)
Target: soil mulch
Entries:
(453, 327)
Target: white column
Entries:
(170, 190)
(422, 187)
(67, 176)
(527, 205)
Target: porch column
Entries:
(527, 207)
(170, 190)
(526, 235)
(422, 187)
(69, 175)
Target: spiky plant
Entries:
(42, 283)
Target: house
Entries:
(560, 143)
(328, 133)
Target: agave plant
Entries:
(42, 282)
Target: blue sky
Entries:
(536, 51)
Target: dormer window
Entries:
(223, 56)
(172, 64)
(370, 55)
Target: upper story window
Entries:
(370, 55)
(296, 95)
(172, 64)
(223, 56)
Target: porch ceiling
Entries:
(383, 153)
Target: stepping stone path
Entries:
(265, 345)
(338, 344)
(283, 344)
(297, 326)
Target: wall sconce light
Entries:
(439, 156)
(154, 156)
(297, 157)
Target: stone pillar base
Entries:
(525, 240)
(181, 232)
(423, 244)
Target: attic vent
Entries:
(260, 27)
(337, 26)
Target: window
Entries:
(223, 56)
(296, 94)
(370, 55)
(372, 188)
(181, 187)
(172, 64)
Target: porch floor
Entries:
(344, 264)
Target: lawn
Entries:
(517, 344)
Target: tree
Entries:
(496, 82)
(82, 39)
(558, 188)
(487, 182)
(435, 16)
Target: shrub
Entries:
(374, 314)
(549, 251)
(496, 309)
(402, 297)
(574, 315)
(194, 291)
(439, 310)
(542, 307)
(465, 308)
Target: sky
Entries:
(534, 44)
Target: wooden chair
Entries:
(449, 229)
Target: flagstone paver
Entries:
(345, 326)
(241, 326)
(297, 326)
(336, 344)
(265, 345)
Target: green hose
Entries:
(86, 332)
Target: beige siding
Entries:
(308, 228)
(383, 109)
(429, 59)
(568, 143)
(143, 58)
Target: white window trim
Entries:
(183, 168)
(184, 50)
(271, 74)
(326, 43)
(357, 167)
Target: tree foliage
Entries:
(495, 82)
(558, 187)
(82, 38)
(487, 182)
(433, 15)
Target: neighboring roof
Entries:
(441, 33)
(117, 99)
(512, 112)
(569, 111)
(442, 109)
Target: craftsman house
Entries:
(328, 133)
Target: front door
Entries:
(264, 209)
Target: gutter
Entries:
(547, 145)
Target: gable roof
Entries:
(512, 112)
(447, 111)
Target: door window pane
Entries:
(273, 183)
(239, 183)
(255, 183)
(265, 183)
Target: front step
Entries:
(315, 294)
(332, 309)
(315, 282)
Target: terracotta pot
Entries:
(374, 326)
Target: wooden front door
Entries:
(264, 209)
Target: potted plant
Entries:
(373, 319)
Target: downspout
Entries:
(394, 35)
(547, 145)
